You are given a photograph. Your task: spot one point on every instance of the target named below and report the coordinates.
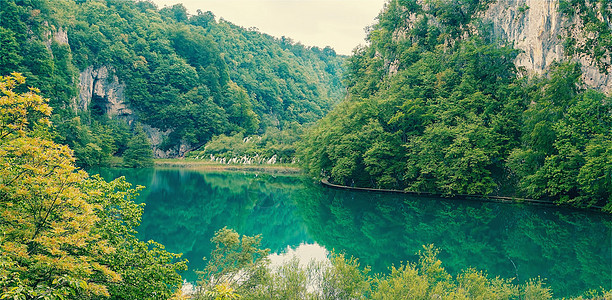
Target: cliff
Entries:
(538, 28)
(104, 88)
(99, 84)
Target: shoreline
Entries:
(499, 199)
(211, 166)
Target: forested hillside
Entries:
(437, 104)
(108, 65)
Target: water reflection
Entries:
(305, 253)
(184, 209)
(572, 250)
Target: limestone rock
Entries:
(61, 36)
(538, 28)
(156, 137)
(99, 83)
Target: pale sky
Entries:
(336, 23)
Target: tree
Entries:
(9, 56)
(145, 268)
(138, 153)
(236, 264)
(565, 142)
(46, 219)
(66, 235)
(241, 111)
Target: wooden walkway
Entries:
(500, 199)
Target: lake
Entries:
(570, 249)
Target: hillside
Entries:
(477, 97)
(107, 66)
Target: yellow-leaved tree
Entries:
(57, 226)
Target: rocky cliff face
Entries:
(538, 28)
(156, 137)
(99, 83)
(59, 36)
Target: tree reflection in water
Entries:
(184, 208)
(571, 249)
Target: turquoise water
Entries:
(571, 250)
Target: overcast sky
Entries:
(336, 23)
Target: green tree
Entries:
(236, 265)
(135, 261)
(66, 235)
(565, 135)
(138, 153)
(9, 55)
(241, 111)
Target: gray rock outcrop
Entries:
(99, 83)
(103, 86)
(61, 36)
(156, 137)
(538, 28)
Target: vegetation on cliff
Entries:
(434, 106)
(590, 35)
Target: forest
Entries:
(431, 104)
(444, 109)
(183, 78)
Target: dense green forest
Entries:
(440, 107)
(437, 105)
(70, 236)
(189, 77)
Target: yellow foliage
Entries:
(224, 291)
(46, 219)
(63, 233)
(18, 110)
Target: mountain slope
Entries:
(186, 78)
(439, 103)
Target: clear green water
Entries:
(571, 249)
